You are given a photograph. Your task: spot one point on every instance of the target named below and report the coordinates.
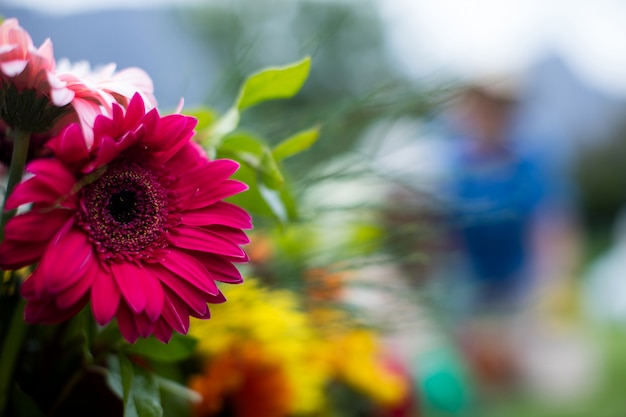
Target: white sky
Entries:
(478, 37)
(473, 37)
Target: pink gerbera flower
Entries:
(136, 225)
(34, 91)
(27, 74)
(28, 67)
(95, 92)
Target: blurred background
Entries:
(469, 174)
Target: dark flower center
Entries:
(125, 210)
(123, 206)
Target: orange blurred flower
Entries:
(245, 381)
(323, 285)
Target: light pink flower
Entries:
(89, 93)
(28, 67)
(96, 91)
(136, 225)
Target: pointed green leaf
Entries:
(250, 150)
(178, 390)
(273, 200)
(146, 394)
(270, 173)
(128, 379)
(180, 347)
(289, 202)
(243, 143)
(295, 144)
(120, 379)
(273, 83)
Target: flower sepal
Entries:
(27, 110)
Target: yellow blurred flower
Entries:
(262, 334)
(272, 321)
(355, 357)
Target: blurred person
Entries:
(493, 195)
(506, 217)
(504, 278)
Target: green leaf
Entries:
(273, 200)
(176, 398)
(136, 386)
(24, 405)
(178, 390)
(146, 394)
(243, 143)
(289, 202)
(249, 150)
(252, 200)
(127, 376)
(270, 172)
(119, 378)
(295, 144)
(205, 115)
(223, 126)
(273, 83)
(179, 348)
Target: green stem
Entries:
(10, 350)
(21, 140)
(12, 343)
(69, 386)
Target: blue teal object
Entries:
(442, 383)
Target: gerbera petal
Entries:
(221, 269)
(67, 258)
(168, 142)
(61, 96)
(130, 81)
(16, 255)
(195, 299)
(205, 316)
(32, 190)
(222, 212)
(34, 226)
(135, 111)
(212, 194)
(127, 324)
(46, 311)
(33, 287)
(235, 235)
(205, 175)
(175, 312)
(53, 173)
(190, 269)
(163, 331)
(69, 145)
(155, 295)
(130, 279)
(108, 150)
(87, 111)
(143, 324)
(13, 68)
(196, 238)
(105, 297)
(188, 157)
(74, 293)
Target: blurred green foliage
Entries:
(353, 81)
